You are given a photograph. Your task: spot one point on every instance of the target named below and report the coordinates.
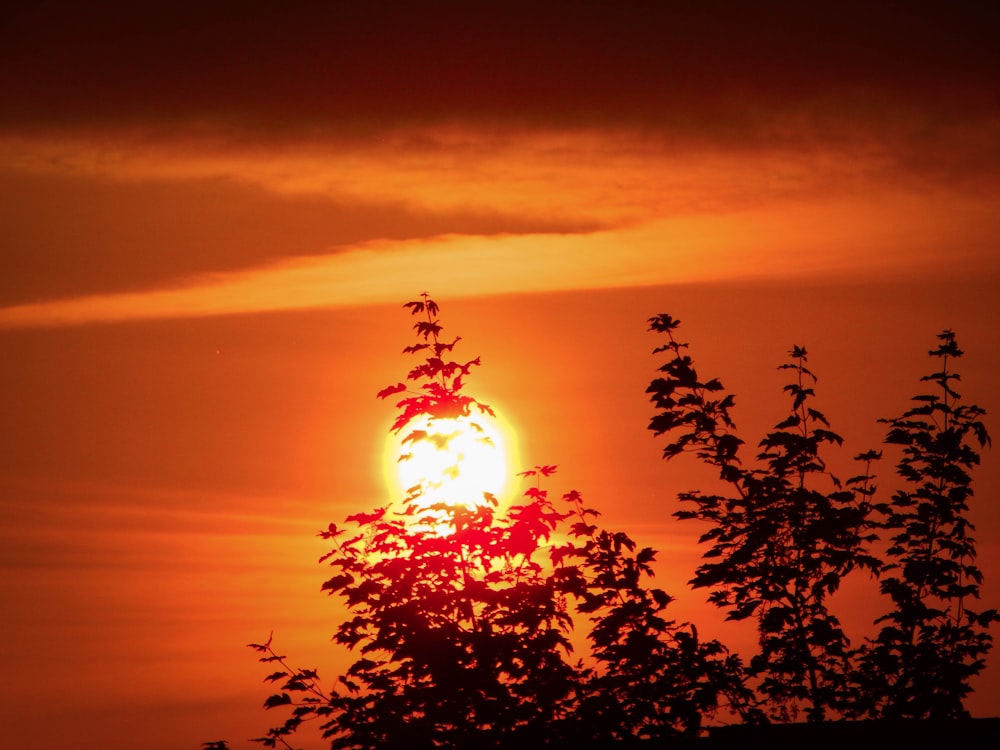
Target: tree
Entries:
(461, 613)
(653, 678)
(461, 610)
(789, 532)
(783, 541)
(931, 644)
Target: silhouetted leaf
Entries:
(274, 701)
(390, 390)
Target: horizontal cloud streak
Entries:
(102, 210)
(600, 176)
(896, 237)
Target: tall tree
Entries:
(461, 613)
(931, 643)
(782, 540)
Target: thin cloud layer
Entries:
(600, 176)
(124, 210)
(889, 241)
(142, 150)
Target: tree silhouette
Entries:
(790, 532)
(461, 613)
(782, 542)
(931, 643)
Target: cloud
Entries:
(840, 239)
(597, 177)
(133, 207)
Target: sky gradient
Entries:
(211, 217)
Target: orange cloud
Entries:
(838, 239)
(605, 177)
(643, 210)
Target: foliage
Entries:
(462, 613)
(931, 643)
(783, 541)
(655, 676)
(787, 533)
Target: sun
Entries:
(454, 460)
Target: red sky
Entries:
(210, 218)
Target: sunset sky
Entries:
(210, 219)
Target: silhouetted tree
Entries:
(931, 643)
(783, 542)
(461, 614)
(460, 610)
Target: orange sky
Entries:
(210, 219)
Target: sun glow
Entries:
(449, 460)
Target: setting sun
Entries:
(449, 460)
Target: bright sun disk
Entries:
(451, 460)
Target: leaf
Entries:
(388, 391)
(646, 555)
(262, 646)
(426, 329)
(274, 701)
(338, 582)
(663, 323)
(363, 519)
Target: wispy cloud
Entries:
(838, 239)
(605, 176)
(582, 207)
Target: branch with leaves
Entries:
(300, 691)
(931, 643)
(785, 538)
(653, 677)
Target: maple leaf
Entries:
(389, 390)
(365, 518)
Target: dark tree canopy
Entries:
(789, 532)
(463, 613)
(931, 642)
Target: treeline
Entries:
(461, 613)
